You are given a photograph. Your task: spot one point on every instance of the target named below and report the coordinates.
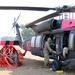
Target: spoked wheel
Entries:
(12, 56)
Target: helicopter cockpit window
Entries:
(33, 41)
(38, 39)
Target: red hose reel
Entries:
(11, 57)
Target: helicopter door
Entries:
(71, 43)
(65, 39)
(36, 45)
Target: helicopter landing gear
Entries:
(24, 53)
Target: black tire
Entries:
(56, 65)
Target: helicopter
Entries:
(61, 31)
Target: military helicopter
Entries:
(61, 31)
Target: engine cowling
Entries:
(48, 25)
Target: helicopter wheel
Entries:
(12, 56)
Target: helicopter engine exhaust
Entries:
(48, 25)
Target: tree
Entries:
(8, 38)
(27, 33)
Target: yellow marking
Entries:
(50, 69)
(59, 71)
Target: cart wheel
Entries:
(56, 65)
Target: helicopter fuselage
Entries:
(62, 36)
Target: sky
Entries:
(7, 16)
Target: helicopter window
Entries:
(38, 39)
(33, 41)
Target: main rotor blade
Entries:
(25, 8)
(43, 18)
